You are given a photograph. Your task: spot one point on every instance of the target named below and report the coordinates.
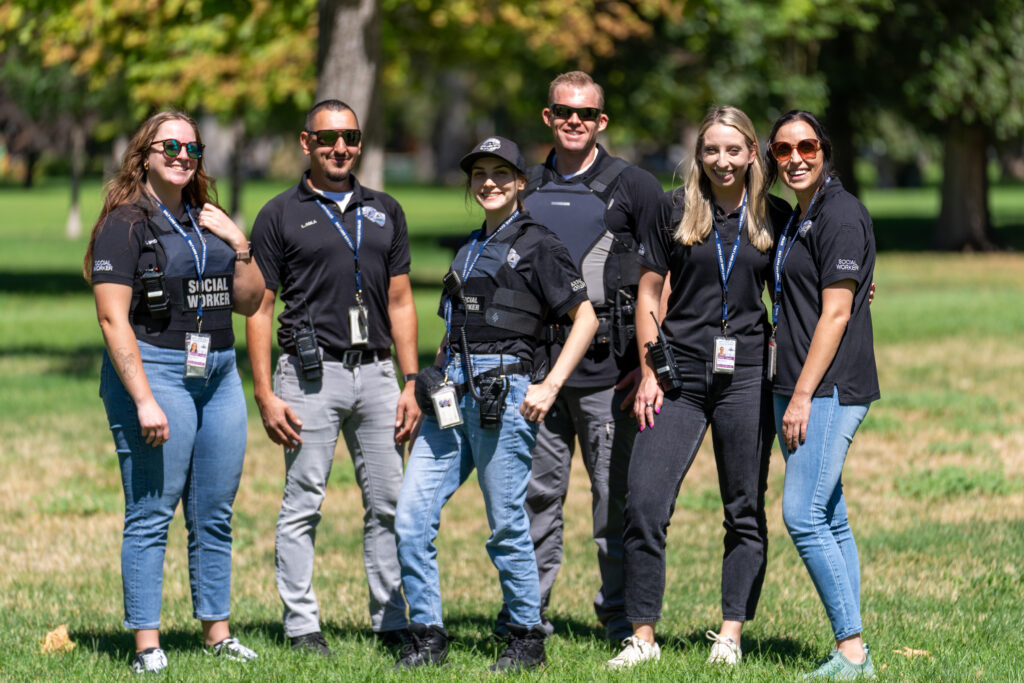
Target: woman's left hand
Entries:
(220, 224)
(538, 401)
(794, 422)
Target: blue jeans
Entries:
(814, 509)
(200, 465)
(440, 461)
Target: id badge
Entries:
(725, 354)
(197, 352)
(446, 406)
(773, 357)
(357, 325)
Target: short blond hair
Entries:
(575, 79)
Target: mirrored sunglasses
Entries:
(172, 148)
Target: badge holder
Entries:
(773, 357)
(197, 352)
(724, 355)
(359, 328)
(446, 404)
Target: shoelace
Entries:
(411, 646)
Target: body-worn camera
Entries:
(664, 361)
(308, 352)
(157, 299)
(492, 401)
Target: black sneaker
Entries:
(427, 645)
(525, 650)
(392, 639)
(312, 642)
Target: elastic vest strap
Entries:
(598, 184)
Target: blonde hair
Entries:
(698, 200)
(575, 79)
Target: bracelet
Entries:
(410, 377)
(244, 256)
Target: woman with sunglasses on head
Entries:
(714, 242)
(510, 278)
(167, 268)
(826, 375)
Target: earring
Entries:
(145, 164)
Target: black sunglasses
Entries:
(564, 111)
(329, 137)
(172, 148)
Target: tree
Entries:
(348, 69)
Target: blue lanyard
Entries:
(467, 270)
(200, 262)
(725, 271)
(348, 240)
(782, 253)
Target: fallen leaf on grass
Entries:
(910, 652)
(57, 640)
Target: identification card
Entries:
(197, 352)
(446, 406)
(358, 326)
(725, 354)
(773, 357)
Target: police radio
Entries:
(155, 288)
(307, 349)
(664, 361)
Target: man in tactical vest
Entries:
(340, 254)
(596, 204)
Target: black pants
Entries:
(738, 408)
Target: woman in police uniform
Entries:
(168, 267)
(714, 242)
(826, 371)
(511, 277)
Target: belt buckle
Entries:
(351, 358)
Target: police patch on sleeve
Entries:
(513, 257)
(374, 215)
(642, 250)
(578, 284)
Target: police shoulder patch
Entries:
(374, 215)
(512, 258)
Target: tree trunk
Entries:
(236, 174)
(453, 133)
(31, 158)
(842, 98)
(964, 221)
(348, 68)
(73, 229)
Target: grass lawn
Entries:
(935, 484)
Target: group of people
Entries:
(588, 303)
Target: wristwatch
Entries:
(244, 256)
(410, 376)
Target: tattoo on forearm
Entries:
(126, 364)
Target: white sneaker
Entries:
(230, 648)
(634, 651)
(152, 660)
(724, 651)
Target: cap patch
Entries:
(490, 145)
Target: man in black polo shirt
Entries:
(596, 204)
(340, 254)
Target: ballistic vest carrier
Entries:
(576, 213)
(497, 303)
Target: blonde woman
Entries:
(715, 241)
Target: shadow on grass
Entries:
(785, 650)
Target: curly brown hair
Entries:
(128, 185)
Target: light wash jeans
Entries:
(440, 461)
(200, 465)
(358, 403)
(814, 509)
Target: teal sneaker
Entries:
(838, 668)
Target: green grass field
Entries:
(935, 483)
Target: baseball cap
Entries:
(495, 146)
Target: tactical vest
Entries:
(184, 289)
(496, 302)
(607, 260)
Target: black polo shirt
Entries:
(128, 243)
(837, 244)
(299, 250)
(631, 203)
(694, 315)
(540, 265)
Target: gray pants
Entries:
(606, 436)
(360, 403)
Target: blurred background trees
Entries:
(929, 91)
